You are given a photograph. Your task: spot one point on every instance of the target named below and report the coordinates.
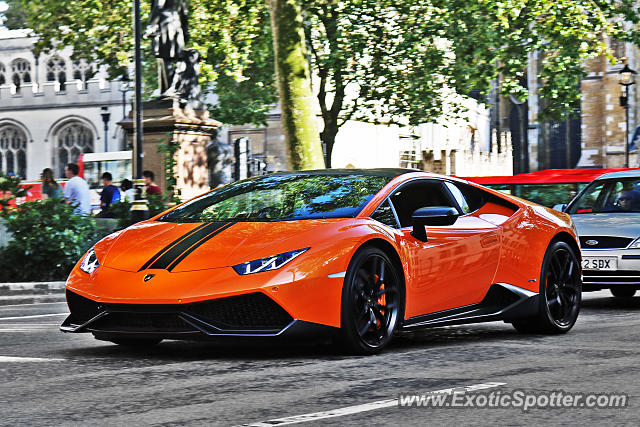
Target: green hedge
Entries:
(48, 239)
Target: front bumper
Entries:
(627, 273)
(248, 315)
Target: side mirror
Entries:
(561, 207)
(437, 215)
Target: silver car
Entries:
(607, 216)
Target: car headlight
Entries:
(269, 263)
(90, 262)
(635, 244)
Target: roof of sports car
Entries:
(388, 172)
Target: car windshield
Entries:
(609, 195)
(283, 197)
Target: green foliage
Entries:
(168, 148)
(157, 203)
(48, 239)
(10, 190)
(122, 212)
(15, 17)
(375, 60)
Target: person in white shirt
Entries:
(76, 191)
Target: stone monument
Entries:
(178, 115)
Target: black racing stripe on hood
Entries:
(168, 255)
(197, 245)
(169, 246)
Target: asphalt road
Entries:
(51, 378)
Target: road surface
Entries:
(51, 378)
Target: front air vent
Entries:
(250, 311)
(82, 309)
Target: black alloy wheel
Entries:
(372, 302)
(560, 292)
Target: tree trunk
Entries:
(328, 137)
(294, 86)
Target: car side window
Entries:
(420, 194)
(384, 214)
(457, 194)
(473, 196)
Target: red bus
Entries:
(548, 187)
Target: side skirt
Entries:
(502, 302)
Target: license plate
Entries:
(600, 263)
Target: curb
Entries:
(31, 288)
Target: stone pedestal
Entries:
(191, 130)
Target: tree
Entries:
(15, 17)
(294, 85)
(381, 61)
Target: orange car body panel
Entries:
(454, 268)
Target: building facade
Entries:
(53, 108)
(595, 137)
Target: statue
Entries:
(178, 68)
(220, 160)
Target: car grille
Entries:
(252, 311)
(605, 242)
(142, 322)
(614, 277)
(249, 312)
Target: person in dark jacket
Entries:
(110, 195)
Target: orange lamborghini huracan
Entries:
(359, 254)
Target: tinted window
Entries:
(457, 194)
(543, 194)
(384, 214)
(612, 195)
(282, 197)
(418, 195)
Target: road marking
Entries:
(27, 359)
(348, 410)
(31, 303)
(34, 316)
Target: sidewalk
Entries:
(31, 292)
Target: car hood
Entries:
(198, 246)
(620, 224)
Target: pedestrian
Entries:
(152, 188)
(77, 191)
(128, 193)
(50, 188)
(110, 195)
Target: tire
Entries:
(136, 342)
(560, 293)
(623, 292)
(368, 323)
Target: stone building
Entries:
(466, 147)
(595, 136)
(603, 118)
(51, 108)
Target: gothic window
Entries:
(82, 70)
(57, 71)
(3, 81)
(72, 140)
(21, 72)
(13, 150)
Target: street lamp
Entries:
(105, 119)
(124, 88)
(626, 78)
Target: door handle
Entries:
(489, 240)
